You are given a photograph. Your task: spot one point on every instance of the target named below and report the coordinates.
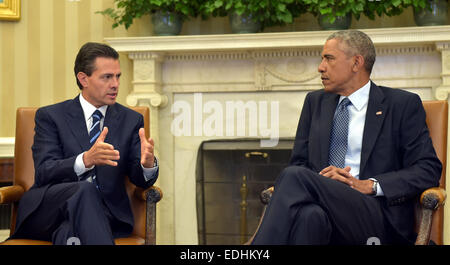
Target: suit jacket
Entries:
(61, 135)
(396, 148)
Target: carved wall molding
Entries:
(154, 100)
(442, 91)
(209, 56)
(422, 49)
(146, 55)
(443, 45)
(247, 55)
(293, 70)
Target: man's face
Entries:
(336, 68)
(102, 87)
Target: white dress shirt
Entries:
(88, 110)
(357, 117)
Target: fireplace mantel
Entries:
(308, 39)
(279, 67)
(149, 53)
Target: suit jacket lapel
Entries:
(376, 111)
(77, 123)
(328, 109)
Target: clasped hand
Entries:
(102, 153)
(343, 175)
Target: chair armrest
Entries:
(266, 195)
(10, 194)
(433, 198)
(430, 201)
(265, 199)
(152, 194)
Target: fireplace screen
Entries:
(230, 178)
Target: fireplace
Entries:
(230, 177)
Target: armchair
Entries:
(429, 215)
(143, 202)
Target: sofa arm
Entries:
(430, 201)
(10, 194)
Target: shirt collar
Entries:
(88, 108)
(360, 97)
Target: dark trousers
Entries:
(71, 211)
(309, 209)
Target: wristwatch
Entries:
(374, 186)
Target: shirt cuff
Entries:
(151, 173)
(79, 167)
(379, 190)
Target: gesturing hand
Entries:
(101, 153)
(147, 155)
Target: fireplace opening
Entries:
(230, 176)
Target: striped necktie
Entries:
(94, 131)
(339, 135)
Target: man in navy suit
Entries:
(388, 159)
(79, 188)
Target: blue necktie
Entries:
(339, 135)
(94, 131)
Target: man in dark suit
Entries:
(361, 156)
(79, 189)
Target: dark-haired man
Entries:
(83, 149)
(362, 154)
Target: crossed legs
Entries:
(307, 208)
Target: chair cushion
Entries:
(132, 240)
(25, 242)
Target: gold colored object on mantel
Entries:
(255, 153)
